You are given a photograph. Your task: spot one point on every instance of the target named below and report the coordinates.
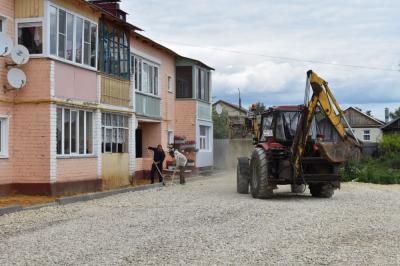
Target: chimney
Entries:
(386, 115)
(111, 6)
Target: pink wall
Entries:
(167, 68)
(151, 136)
(6, 109)
(185, 123)
(30, 153)
(76, 169)
(76, 83)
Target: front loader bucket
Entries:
(339, 152)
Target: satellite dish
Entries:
(16, 78)
(5, 44)
(20, 55)
(218, 109)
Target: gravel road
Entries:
(207, 223)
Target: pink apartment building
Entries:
(97, 94)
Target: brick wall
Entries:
(78, 169)
(185, 119)
(30, 152)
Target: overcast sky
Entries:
(237, 38)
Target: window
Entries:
(114, 51)
(115, 133)
(367, 135)
(3, 27)
(30, 35)
(204, 138)
(74, 132)
(146, 75)
(170, 137)
(203, 85)
(184, 81)
(170, 89)
(72, 38)
(3, 137)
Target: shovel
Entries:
(158, 169)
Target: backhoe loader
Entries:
(302, 145)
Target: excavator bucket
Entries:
(340, 152)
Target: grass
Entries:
(382, 170)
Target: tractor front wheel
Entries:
(259, 175)
(243, 175)
(298, 189)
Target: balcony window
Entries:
(114, 51)
(184, 78)
(72, 38)
(146, 75)
(30, 35)
(203, 85)
(74, 132)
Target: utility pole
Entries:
(240, 100)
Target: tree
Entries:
(395, 114)
(221, 127)
(260, 107)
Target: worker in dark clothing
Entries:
(158, 159)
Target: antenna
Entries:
(20, 55)
(16, 78)
(5, 44)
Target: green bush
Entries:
(390, 144)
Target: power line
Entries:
(282, 58)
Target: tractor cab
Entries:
(279, 124)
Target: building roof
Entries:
(390, 123)
(110, 16)
(366, 115)
(197, 62)
(168, 50)
(231, 105)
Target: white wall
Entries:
(204, 158)
(375, 133)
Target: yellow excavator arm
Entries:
(333, 152)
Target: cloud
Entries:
(355, 32)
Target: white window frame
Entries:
(170, 137)
(141, 61)
(105, 127)
(367, 134)
(204, 139)
(75, 154)
(4, 139)
(4, 21)
(75, 15)
(33, 20)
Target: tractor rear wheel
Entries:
(259, 175)
(321, 190)
(243, 175)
